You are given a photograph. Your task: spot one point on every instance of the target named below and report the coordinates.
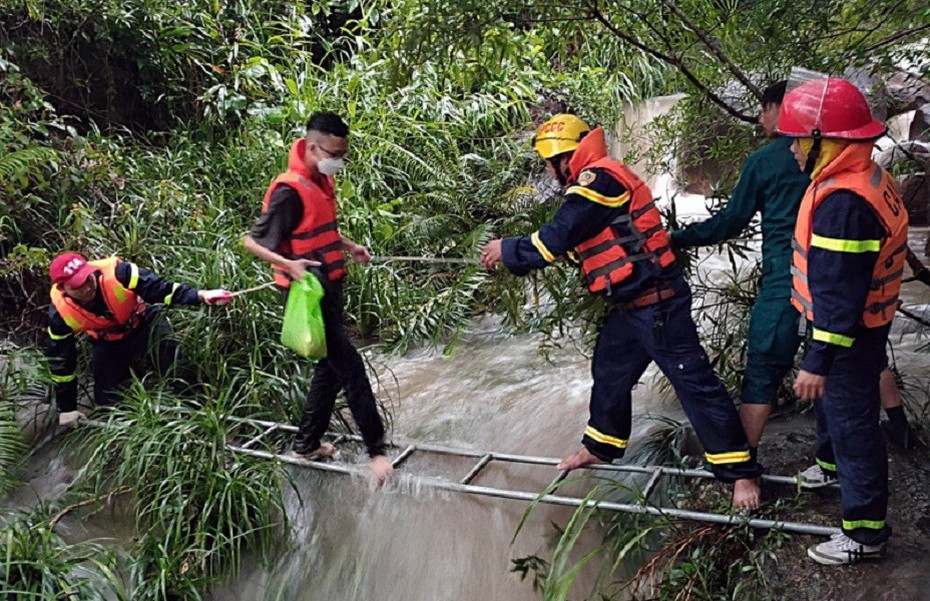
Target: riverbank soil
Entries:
(903, 574)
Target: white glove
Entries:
(71, 419)
(215, 297)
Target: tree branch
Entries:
(109, 497)
(672, 60)
(885, 15)
(715, 49)
(898, 36)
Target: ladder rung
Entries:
(404, 455)
(651, 484)
(255, 440)
(478, 467)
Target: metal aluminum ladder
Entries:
(266, 429)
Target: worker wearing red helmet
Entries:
(118, 304)
(849, 251)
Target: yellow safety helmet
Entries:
(559, 134)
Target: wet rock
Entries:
(35, 419)
(920, 125)
(799, 438)
(913, 158)
(908, 151)
(915, 191)
(873, 88)
(923, 522)
(906, 92)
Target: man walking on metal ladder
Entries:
(609, 220)
(849, 251)
(297, 231)
(771, 184)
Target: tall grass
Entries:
(36, 564)
(197, 506)
(22, 377)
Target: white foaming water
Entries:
(414, 543)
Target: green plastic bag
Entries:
(303, 329)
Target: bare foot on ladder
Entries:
(325, 450)
(747, 494)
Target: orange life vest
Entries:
(867, 179)
(316, 237)
(607, 259)
(125, 307)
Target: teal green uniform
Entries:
(772, 184)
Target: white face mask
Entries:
(330, 166)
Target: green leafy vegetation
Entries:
(150, 129)
(35, 563)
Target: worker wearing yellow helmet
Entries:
(609, 221)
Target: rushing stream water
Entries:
(411, 543)
(414, 543)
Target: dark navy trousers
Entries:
(151, 342)
(665, 333)
(850, 442)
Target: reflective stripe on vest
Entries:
(125, 307)
(317, 236)
(878, 189)
(607, 259)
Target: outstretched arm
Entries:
(586, 210)
(729, 221)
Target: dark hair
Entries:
(774, 93)
(328, 123)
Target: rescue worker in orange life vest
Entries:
(849, 250)
(297, 231)
(109, 299)
(609, 220)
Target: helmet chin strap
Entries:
(556, 163)
(814, 153)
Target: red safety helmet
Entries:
(71, 269)
(828, 108)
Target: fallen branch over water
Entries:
(109, 497)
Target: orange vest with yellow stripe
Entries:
(316, 237)
(124, 306)
(877, 187)
(607, 259)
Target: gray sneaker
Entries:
(841, 549)
(814, 477)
